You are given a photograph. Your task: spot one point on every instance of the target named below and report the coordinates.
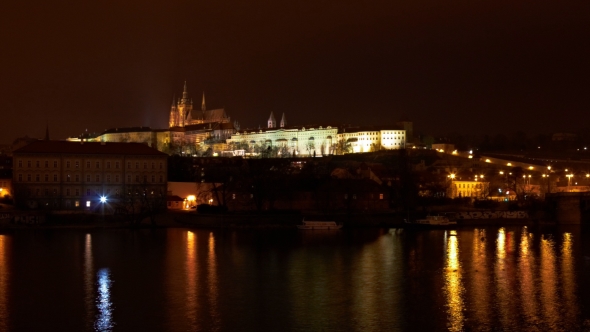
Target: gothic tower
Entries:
(173, 114)
(283, 121)
(272, 123)
(184, 108)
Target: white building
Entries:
(321, 140)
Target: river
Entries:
(468, 279)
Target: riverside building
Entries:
(82, 175)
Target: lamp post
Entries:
(452, 176)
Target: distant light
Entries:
(190, 198)
(103, 199)
(509, 164)
(488, 161)
(470, 151)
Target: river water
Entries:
(469, 279)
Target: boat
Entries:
(319, 225)
(432, 221)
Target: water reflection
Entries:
(104, 320)
(505, 303)
(453, 285)
(191, 279)
(480, 279)
(212, 280)
(526, 277)
(4, 283)
(88, 282)
(549, 281)
(568, 277)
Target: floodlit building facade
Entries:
(473, 189)
(320, 140)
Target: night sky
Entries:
(465, 66)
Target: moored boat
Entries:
(432, 221)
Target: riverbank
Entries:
(262, 220)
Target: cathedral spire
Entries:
(203, 108)
(283, 121)
(184, 93)
(272, 123)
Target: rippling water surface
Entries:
(468, 279)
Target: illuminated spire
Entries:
(283, 121)
(272, 123)
(184, 93)
(203, 108)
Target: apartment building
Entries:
(78, 175)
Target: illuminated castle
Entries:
(182, 113)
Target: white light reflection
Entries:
(104, 320)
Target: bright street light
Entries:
(103, 199)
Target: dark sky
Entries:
(469, 66)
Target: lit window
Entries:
(87, 203)
(77, 203)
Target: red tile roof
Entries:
(88, 148)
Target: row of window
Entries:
(97, 164)
(469, 185)
(97, 178)
(76, 192)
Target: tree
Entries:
(310, 147)
(342, 146)
(141, 201)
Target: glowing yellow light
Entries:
(190, 198)
(501, 173)
(549, 167)
(488, 161)
(455, 152)
(470, 157)
(531, 167)
(509, 164)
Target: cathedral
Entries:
(182, 113)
